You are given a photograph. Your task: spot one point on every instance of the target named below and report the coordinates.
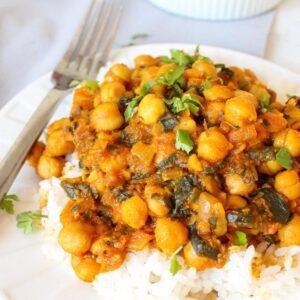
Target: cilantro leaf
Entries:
(172, 76)
(197, 50)
(28, 220)
(193, 103)
(139, 36)
(181, 58)
(284, 158)
(90, 84)
(187, 101)
(220, 66)
(265, 103)
(203, 58)
(207, 84)
(130, 108)
(175, 265)
(241, 238)
(183, 141)
(146, 88)
(6, 203)
(166, 59)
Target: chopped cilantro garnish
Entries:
(265, 103)
(284, 158)
(146, 88)
(139, 36)
(28, 220)
(175, 265)
(207, 84)
(183, 141)
(241, 238)
(172, 76)
(187, 101)
(130, 108)
(220, 66)
(90, 84)
(6, 203)
(181, 58)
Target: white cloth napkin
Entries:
(34, 34)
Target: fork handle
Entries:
(11, 164)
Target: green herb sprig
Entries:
(7, 203)
(90, 84)
(183, 141)
(241, 238)
(284, 158)
(175, 266)
(29, 220)
(265, 104)
(188, 101)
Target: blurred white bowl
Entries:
(216, 9)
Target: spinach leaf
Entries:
(277, 204)
(262, 154)
(168, 122)
(201, 246)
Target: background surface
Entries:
(34, 35)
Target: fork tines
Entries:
(90, 46)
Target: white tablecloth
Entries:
(34, 34)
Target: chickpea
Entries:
(121, 71)
(211, 206)
(194, 165)
(236, 185)
(111, 92)
(35, 153)
(170, 235)
(290, 139)
(193, 260)
(288, 183)
(86, 268)
(165, 68)
(270, 167)
(48, 167)
(235, 202)
(139, 239)
(109, 251)
(206, 67)
(240, 111)
(144, 61)
(259, 91)
(213, 145)
(187, 124)
(289, 233)
(59, 143)
(248, 96)
(155, 197)
(97, 179)
(76, 238)
(151, 109)
(66, 215)
(192, 74)
(214, 111)
(217, 92)
(134, 212)
(106, 116)
(63, 124)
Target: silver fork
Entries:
(82, 60)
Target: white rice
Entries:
(145, 275)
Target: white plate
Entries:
(24, 272)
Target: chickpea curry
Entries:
(179, 154)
